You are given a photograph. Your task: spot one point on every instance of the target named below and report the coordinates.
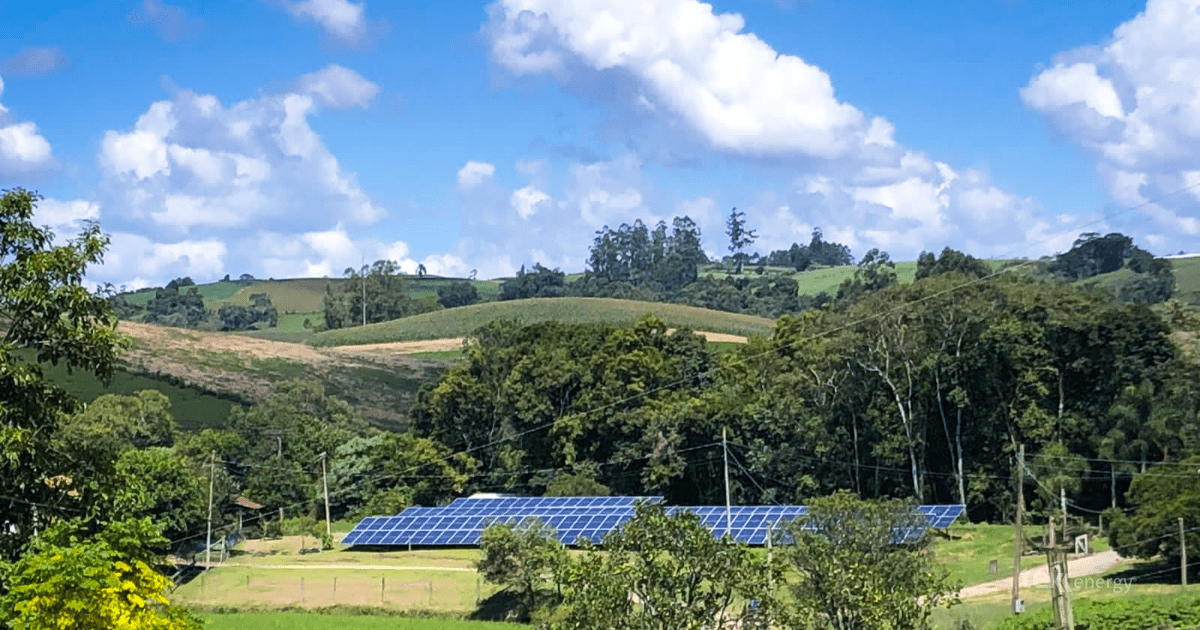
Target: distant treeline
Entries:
(664, 264)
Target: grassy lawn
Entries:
(975, 544)
(307, 621)
(459, 322)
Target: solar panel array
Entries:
(573, 518)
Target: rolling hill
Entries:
(459, 322)
(381, 385)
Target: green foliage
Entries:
(383, 473)
(666, 571)
(1160, 497)
(817, 252)
(100, 582)
(951, 261)
(852, 574)
(633, 256)
(739, 237)
(386, 292)
(1117, 614)
(457, 294)
(161, 484)
(46, 309)
(172, 308)
(523, 558)
(565, 484)
(261, 313)
(875, 272)
(539, 283)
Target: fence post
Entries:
(335, 590)
(477, 585)
(431, 594)
(382, 582)
(301, 589)
(1182, 554)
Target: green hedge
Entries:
(1136, 614)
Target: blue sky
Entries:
(288, 138)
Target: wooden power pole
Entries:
(728, 511)
(1060, 595)
(1182, 555)
(1018, 536)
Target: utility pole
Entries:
(325, 483)
(728, 511)
(1182, 555)
(1062, 495)
(1018, 537)
(212, 476)
(363, 278)
(1060, 596)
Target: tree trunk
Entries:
(955, 454)
(857, 482)
(1113, 485)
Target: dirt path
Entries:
(1088, 565)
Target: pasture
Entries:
(312, 621)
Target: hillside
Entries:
(460, 322)
(381, 385)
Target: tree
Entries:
(457, 294)
(1160, 497)
(44, 308)
(669, 572)
(739, 237)
(385, 472)
(875, 271)
(858, 569)
(949, 261)
(421, 270)
(523, 558)
(98, 582)
(162, 484)
(541, 282)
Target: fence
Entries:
(255, 587)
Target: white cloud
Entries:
(340, 18)
(338, 87)
(22, 147)
(136, 260)
(190, 162)
(474, 173)
(1061, 86)
(525, 201)
(737, 92)
(65, 218)
(34, 60)
(1134, 103)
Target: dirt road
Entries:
(1088, 565)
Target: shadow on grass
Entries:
(502, 606)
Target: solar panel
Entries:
(462, 522)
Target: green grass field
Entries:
(310, 621)
(460, 322)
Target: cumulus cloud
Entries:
(34, 60)
(337, 87)
(192, 171)
(172, 23)
(1134, 103)
(688, 62)
(343, 20)
(65, 218)
(22, 147)
(697, 74)
(474, 173)
(191, 162)
(525, 201)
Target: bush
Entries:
(1138, 614)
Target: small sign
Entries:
(1081, 544)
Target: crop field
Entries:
(460, 322)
